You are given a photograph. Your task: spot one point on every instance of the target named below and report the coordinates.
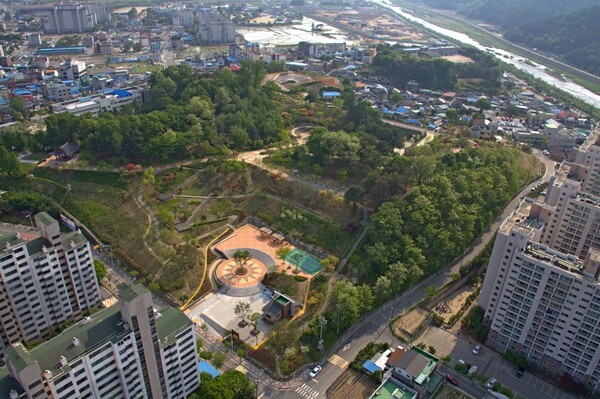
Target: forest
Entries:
(509, 13)
(574, 37)
(435, 73)
(567, 29)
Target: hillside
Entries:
(511, 13)
(573, 37)
(567, 29)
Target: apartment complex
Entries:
(44, 282)
(129, 350)
(213, 28)
(541, 293)
(73, 17)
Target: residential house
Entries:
(415, 369)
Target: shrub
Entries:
(300, 278)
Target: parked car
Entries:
(451, 379)
(314, 372)
(476, 350)
(491, 383)
(520, 372)
(472, 370)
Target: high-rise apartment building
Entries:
(72, 17)
(213, 28)
(129, 351)
(44, 282)
(541, 293)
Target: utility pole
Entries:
(338, 321)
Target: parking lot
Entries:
(491, 364)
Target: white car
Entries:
(491, 383)
(476, 350)
(314, 372)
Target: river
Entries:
(518, 61)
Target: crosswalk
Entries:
(307, 392)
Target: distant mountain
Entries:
(510, 13)
(574, 37)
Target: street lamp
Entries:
(256, 387)
(30, 219)
(322, 322)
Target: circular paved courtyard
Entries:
(226, 273)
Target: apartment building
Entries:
(213, 28)
(129, 350)
(541, 293)
(44, 282)
(68, 18)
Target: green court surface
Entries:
(304, 261)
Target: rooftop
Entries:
(44, 218)
(169, 324)
(390, 389)
(128, 292)
(568, 263)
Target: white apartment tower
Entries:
(213, 28)
(541, 293)
(127, 351)
(44, 282)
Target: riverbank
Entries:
(489, 39)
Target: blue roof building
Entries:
(331, 94)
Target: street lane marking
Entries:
(346, 347)
(307, 392)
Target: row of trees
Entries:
(434, 73)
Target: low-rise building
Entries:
(72, 69)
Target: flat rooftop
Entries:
(568, 263)
(392, 390)
(521, 220)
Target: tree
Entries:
(232, 384)
(218, 360)
(254, 318)
(241, 310)
(132, 13)
(241, 258)
(430, 292)
(295, 260)
(9, 164)
(100, 269)
(148, 176)
(354, 195)
(351, 301)
(281, 254)
(127, 46)
(137, 47)
(17, 104)
(483, 104)
(330, 263)
(452, 115)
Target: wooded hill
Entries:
(567, 29)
